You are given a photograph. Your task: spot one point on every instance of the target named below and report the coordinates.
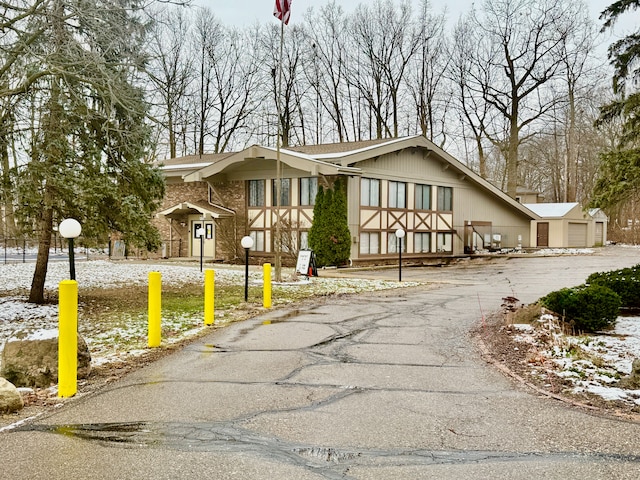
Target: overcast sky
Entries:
(247, 12)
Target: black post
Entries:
(246, 274)
(201, 249)
(72, 266)
(400, 261)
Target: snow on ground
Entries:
(591, 363)
(127, 336)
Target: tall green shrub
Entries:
(329, 236)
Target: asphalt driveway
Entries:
(377, 386)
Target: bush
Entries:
(588, 308)
(625, 282)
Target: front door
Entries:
(543, 234)
(208, 238)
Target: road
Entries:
(377, 386)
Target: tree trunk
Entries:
(45, 227)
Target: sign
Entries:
(304, 259)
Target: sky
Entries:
(247, 12)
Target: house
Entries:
(567, 225)
(410, 183)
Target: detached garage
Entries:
(561, 225)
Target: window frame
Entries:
(368, 243)
(274, 187)
(399, 200)
(445, 199)
(365, 186)
(261, 200)
(310, 199)
(420, 187)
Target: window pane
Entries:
(392, 243)
(304, 241)
(445, 199)
(364, 243)
(422, 242)
(402, 195)
(423, 197)
(374, 243)
(308, 190)
(393, 194)
(445, 242)
(374, 198)
(256, 193)
(364, 192)
(285, 190)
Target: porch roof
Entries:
(207, 210)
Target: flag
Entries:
(282, 11)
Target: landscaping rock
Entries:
(632, 382)
(31, 359)
(10, 398)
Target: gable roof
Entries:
(333, 159)
(551, 210)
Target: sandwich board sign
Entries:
(304, 262)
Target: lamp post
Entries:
(200, 233)
(70, 229)
(400, 235)
(247, 243)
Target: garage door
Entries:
(577, 235)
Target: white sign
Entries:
(304, 258)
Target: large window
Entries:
(258, 240)
(370, 243)
(445, 242)
(370, 192)
(285, 192)
(256, 193)
(423, 197)
(393, 243)
(422, 242)
(397, 195)
(308, 190)
(445, 199)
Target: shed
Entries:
(562, 225)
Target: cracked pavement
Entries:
(380, 385)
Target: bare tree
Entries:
(171, 70)
(385, 40)
(427, 70)
(521, 50)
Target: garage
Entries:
(577, 235)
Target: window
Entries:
(308, 190)
(304, 241)
(397, 195)
(285, 192)
(256, 193)
(445, 197)
(370, 192)
(369, 243)
(423, 197)
(422, 242)
(392, 243)
(445, 242)
(258, 240)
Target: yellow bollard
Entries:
(266, 292)
(68, 338)
(155, 306)
(209, 296)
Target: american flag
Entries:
(282, 11)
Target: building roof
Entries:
(551, 210)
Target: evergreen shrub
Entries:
(625, 282)
(587, 308)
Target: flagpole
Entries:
(278, 242)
